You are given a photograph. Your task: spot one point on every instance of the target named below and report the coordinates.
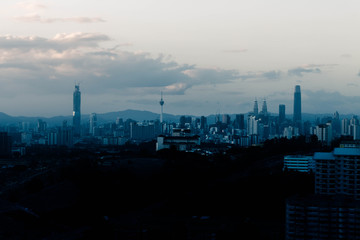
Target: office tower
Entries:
(239, 121)
(162, 105)
(203, 123)
(76, 111)
(93, 123)
(264, 108)
(281, 113)
(225, 119)
(297, 107)
(256, 108)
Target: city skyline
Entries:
(211, 58)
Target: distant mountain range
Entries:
(101, 117)
(136, 115)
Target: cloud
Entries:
(235, 51)
(38, 18)
(273, 75)
(346, 55)
(301, 70)
(31, 5)
(352, 85)
(318, 101)
(63, 41)
(319, 65)
(211, 75)
(50, 65)
(270, 75)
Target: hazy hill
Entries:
(136, 115)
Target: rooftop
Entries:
(324, 156)
(347, 151)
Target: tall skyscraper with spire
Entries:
(264, 108)
(162, 106)
(76, 111)
(297, 107)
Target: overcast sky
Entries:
(206, 56)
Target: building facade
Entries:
(297, 107)
(299, 163)
(77, 111)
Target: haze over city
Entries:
(206, 56)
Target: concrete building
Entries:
(338, 172)
(252, 125)
(345, 127)
(322, 217)
(180, 143)
(142, 131)
(324, 133)
(299, 163)
(334, 211)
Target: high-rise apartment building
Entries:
(345, 123)
(252, 125)
(334, 211)
(338, 172)
(76, 111)
(322, 217)
(297, 107)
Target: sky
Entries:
(206, 57)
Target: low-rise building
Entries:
(299, 163)
(181, 143)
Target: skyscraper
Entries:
(239, 121)
(264, 108)
(256, 108)
(161, 104)
(297, 107)
(76, 111)
(93, 123)
(281, 113)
